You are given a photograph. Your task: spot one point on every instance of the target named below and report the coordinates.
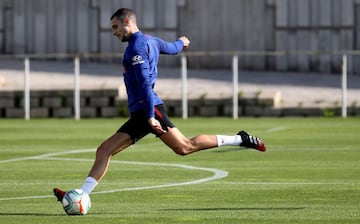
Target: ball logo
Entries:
(137, 59)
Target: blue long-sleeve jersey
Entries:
(140, 69)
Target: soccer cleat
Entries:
(59, 194)
(253, 142)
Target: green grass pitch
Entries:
(310, 173)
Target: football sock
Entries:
(223, 140)
(89, 185)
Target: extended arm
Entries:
(173, 47)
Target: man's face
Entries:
(120, 29)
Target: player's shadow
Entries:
(236, 209)
(27, 214)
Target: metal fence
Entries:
(235, 55)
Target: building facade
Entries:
(255, 28)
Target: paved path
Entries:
(306, 89)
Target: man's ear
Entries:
(126, 21)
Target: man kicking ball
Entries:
(147, 110)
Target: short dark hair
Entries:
(123, 13)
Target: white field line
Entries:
(217, 174)
(47, 155)
(281, 183)
(276, 129)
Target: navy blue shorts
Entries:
(138, 126)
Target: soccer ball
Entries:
(76, 202)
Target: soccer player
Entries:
(147, 110)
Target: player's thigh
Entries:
(115, 143)
(175, 139)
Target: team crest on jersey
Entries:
(137, 59)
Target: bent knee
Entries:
(102, 150)
(182, 150)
